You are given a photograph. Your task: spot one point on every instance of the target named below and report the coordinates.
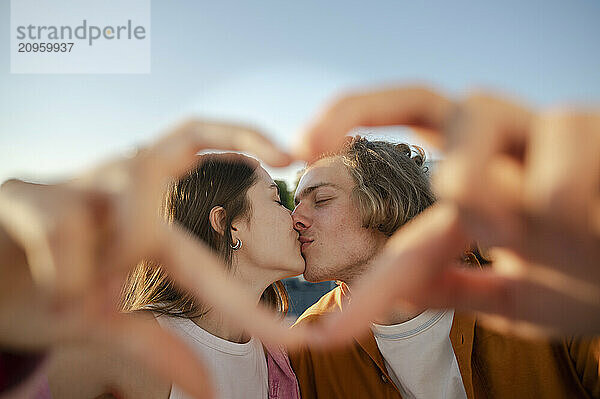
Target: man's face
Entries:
(334, 243)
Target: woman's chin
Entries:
(296, 269)
(301, 265)
(300, 269)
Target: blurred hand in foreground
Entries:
(526, 182)
(67, 249)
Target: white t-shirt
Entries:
(419, 357)
(238, 370)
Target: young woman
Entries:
(232, 204)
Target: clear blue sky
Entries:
(272, 63)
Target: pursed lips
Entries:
(305, 242)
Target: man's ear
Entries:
(216, 218)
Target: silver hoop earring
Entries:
(237, 245)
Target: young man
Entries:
(347, 205)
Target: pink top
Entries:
(282, 379)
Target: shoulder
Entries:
(330, 302)
(301, 358)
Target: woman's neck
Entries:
(256, 280)
(215, 324)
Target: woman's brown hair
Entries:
(219, 180)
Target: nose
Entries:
(300, 218)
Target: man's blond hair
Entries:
(392, 182)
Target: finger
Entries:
(412, 259)
(483, 130)
(484, 125)
(57, 243)
(197, 270)
(164, 354)
(28, 233)
(525, 301)
(137, 336)
(413, 106)
(176, 151)
(498, 197)
(563, 168)
(94, 319)
(574, 253)
(523, 329)
(525, 294)
(491, 211)
(24, 224)
(73, 245)
(484, 171)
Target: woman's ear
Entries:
(216, 218)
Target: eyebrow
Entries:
(305, 192)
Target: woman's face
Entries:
(269, 239)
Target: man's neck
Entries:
(397, 315)
(400, 313)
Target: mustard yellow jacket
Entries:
(492, 365)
